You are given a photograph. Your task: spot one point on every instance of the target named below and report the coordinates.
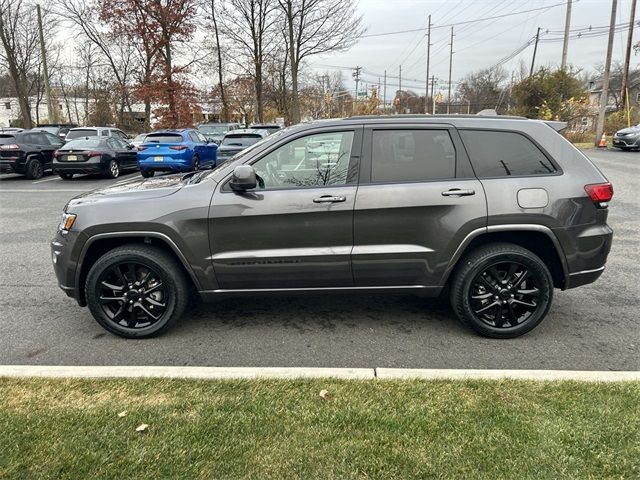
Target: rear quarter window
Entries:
(504, 154)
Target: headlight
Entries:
(67, 222)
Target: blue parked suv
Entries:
(173, 151)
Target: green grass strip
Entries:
(262, 429)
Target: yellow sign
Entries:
(438, 97)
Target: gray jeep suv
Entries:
(494, 211)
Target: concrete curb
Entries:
(180, 372)
(294, 372)
(434, 374)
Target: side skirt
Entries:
(421, 290)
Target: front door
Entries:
(295, 230)
(417, 200)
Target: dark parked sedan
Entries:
(106, 156)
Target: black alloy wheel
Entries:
(196, 164)
(137, 291)
(505, 294)
(35, 170)
(132, 295)
(501, 290)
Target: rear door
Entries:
(297, 230)
(416, 202)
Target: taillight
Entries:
(178, 147)
(141, 148)
(600, 192)
(57, 154)
(94, 154)
(11, 146)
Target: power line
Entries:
(463, 22)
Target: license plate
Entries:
(72, 158)
(158, 159)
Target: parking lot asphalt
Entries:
(595, 327)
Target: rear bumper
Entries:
(169, 163)
(90, 166)
(11, 165)
(585, 277)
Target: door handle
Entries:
(329, 199)
(457, 192)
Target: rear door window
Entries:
(412, 155)
(503, 154)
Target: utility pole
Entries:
(45, 70)
(400, 88)
(433, 98)
(450, 65)
(627, 56)
(426, 94)
(384, 94)
(356, 75)
(535, 50)
(604, 96)
(565, 44)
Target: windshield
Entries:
(164, 138)
(82, 143)
(139, 138)
(7, 139)
(212, 129)
(82, 132)
(240, 140)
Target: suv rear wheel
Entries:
(34, 169)
(501, 290)
(136, 291)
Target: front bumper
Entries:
(632, 141)
(63, 264)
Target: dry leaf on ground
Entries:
(122, 414)
(142, 427)
(324, 394)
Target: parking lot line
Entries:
(47, 180)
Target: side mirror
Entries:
(243, 178)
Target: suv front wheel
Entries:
(501, 290)
(136, 291)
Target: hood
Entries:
(135, 189)
(624, 131)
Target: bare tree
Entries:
(314, 27)
(119, 54)
(220, 67)
(250, 24)
(19, 38)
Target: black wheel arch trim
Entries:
(508, 228)
(130, 234)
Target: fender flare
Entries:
(136, 234)
(524, 227)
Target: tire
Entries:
(34, 169)
(196, 164)
(166, 282)
(484, 282)
(66, 176)
(147, 173)
(113, 169)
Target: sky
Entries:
(475, 45)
